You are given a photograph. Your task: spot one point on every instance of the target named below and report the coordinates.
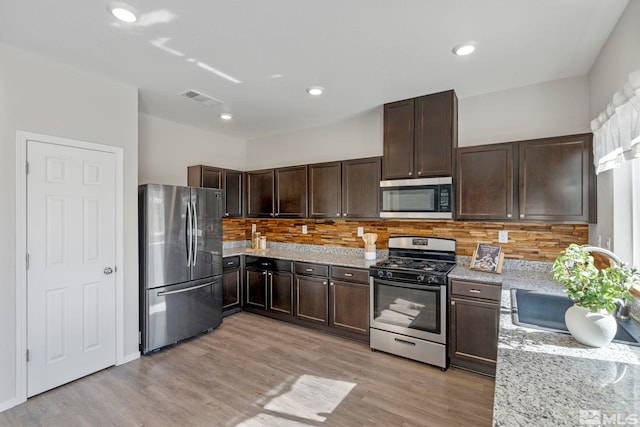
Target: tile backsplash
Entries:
(527, 241)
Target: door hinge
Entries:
(27, 168)
(27, 355)
(27, 260)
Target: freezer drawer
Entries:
(177, 312)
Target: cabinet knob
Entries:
(521, 215)
(271, 214)
(324, 283)
(453, 303)
(508, 215)
(277, 214)
(348, 274)
(419, 173)
(332, 284)
(226, 214)
(410, 173)
(344, 214)
(338, 214)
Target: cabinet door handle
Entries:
(229, 262)
(348, 274)
(264, 273)
(475, 291)
(308, 269)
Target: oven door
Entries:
(414, 310)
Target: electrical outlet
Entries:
(304, 229)
(253, 228)
(503, 236)
(609, 243)
(360, 231)
(599, 242)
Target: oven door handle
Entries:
(409, 285)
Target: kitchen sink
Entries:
(541, 310)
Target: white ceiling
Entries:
(363, 52)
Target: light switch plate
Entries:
(503, 236)
(304, 229)
(360, 231)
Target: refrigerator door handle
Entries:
(179, 291)
(195, 232)
(189, 231)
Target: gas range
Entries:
(417, 260)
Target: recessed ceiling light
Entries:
(122, 11)
(465, 48)
(315, 90)
(226, 116)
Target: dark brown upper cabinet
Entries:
(485, 182)
(278, 193)
(228, 180)
(420, 136)
(347, 189)
(260, 193)
(549, 179)
(291, 192)
(557, 179)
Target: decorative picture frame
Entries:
(488, 258)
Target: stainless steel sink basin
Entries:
(545, 311)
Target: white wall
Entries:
(619, 57)
(166, 149)
(40, 96)
(357, 137)
(558, 107)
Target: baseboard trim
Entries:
(8, 404)
(130, 357)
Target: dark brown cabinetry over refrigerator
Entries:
(474, 320)
(230, 181)
(420, 136)
(347, 189)
(550, 179)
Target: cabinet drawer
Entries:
(229, 263)
(311, 269)
(476, 290)
(351, 274)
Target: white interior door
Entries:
(71, 242)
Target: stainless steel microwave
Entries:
(422, 198)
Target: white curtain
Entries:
(616, 131)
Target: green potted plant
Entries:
(595, 292)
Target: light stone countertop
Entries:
(330, 255)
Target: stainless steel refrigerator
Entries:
(180, 263)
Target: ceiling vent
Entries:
(201, 98)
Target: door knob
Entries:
(108, 270)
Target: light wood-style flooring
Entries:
(255, 371)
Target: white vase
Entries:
(592, 329)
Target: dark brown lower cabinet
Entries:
(231, 285)
(280, 292)
(311, 299)
(349, 303)
(268, 286)
(473, 327)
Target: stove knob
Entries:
(421, 278)
(380, 273)
(389, 275)
(431, 279)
